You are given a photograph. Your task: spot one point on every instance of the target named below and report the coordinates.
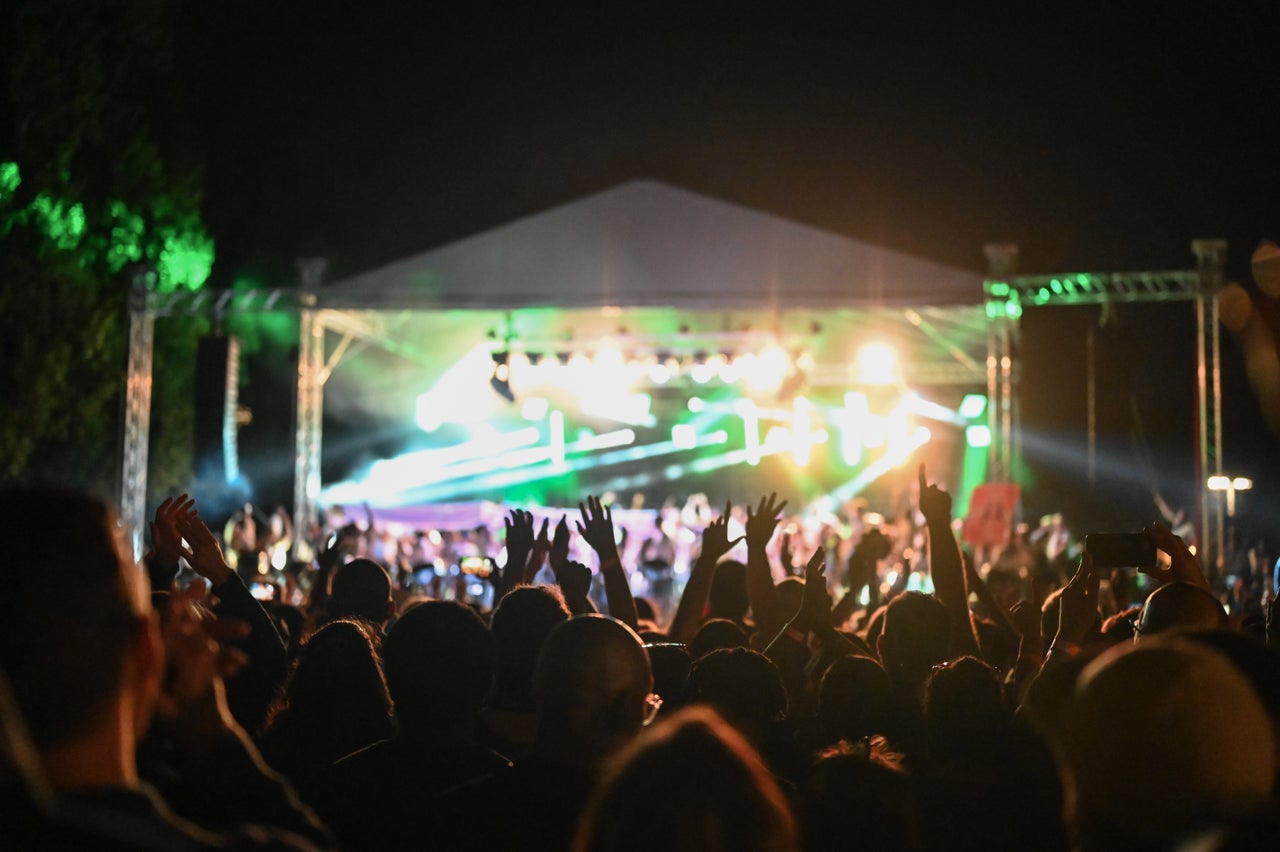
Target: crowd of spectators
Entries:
(1028, 703)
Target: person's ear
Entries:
(147, 663)
(882, 645)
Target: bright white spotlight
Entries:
(977, 435)
(684, 436)
(1242, 483)
(768, 371)
(534, 408)
(973, 405)
(660, 373)
(877, 364)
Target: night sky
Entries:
(1097, 136)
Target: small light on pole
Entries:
(1230, 485)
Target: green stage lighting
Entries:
(972, 406)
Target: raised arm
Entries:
(1183, 567)
(715, 544)
(596, 527)
(519, 541)
(251, 692)
(761, 592)
(166, 542)
(946, 565)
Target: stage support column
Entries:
(137, 409)
(1002, 263)
(1211, 257)
(309, 408)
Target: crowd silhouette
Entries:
(165, 706)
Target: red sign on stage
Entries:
(990, 518)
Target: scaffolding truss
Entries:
(353, 316)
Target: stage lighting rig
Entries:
(500, 381)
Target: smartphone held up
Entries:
(1121, 550)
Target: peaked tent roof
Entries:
(645, 244)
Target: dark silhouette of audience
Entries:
(1080, 723)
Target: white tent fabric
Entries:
(647, 244)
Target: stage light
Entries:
(874, 431)
(801, 423)
(746, 409)
(701, 373)
(608, 359)
(696, 405)
(534, 408)
(659, 373)
(877, 364)
(768, 371)
(684, 436)
(1219, 483)
(978, 435)
(556, 438)
(500, 381)
(854, 419)
(791, 385)
(973, 406)
(1242, 483)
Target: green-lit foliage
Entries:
(85, 194)
(10, 180)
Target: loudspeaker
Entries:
(217, 398)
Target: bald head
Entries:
(591, 681)
(1148, 748)
(1179, 606)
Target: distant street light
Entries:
(1230, 485)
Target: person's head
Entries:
(790, 592)
(743, 686)
(916, 636)
(336, 678)
(591, 683)
(854, 785)
(1179, 606)
(855, 699)
(361, 589)
(964, 711)
(520, 625)
(691, 784)
(715, 634)
(671, 664)
(77, 639)
(1165, 735)
(728, 596)
(438, 658)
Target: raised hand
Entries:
(715, 538)
(538, 554)
(1184, 566)
(863, 562)
(763, 521)
(575, 582)
(1078, 603)
(596, 527)
(560, 544)
(519, 526)
(935, 504)
(204, 554)
(192, 702)
(165, 537)
(815, 603)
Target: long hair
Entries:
(334, 701)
